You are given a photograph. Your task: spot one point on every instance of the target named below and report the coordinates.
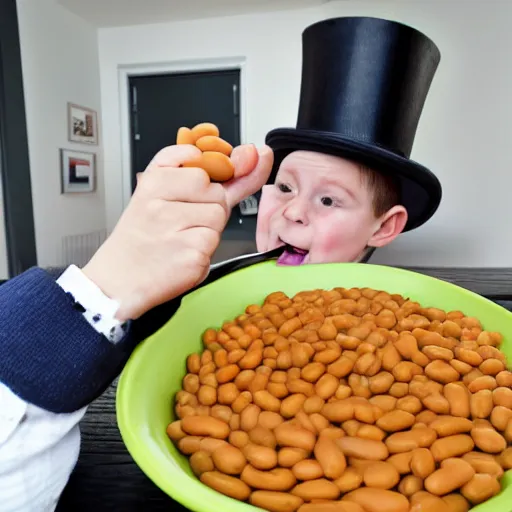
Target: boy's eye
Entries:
(327, 201)
(284, 188)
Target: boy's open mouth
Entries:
(292, 256)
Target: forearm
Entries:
(50, 356)
(54, 360)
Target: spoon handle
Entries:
(156, 318)
(218, 270)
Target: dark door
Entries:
(161, 104)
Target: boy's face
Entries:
(322, 208)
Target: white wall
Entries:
(60, 63)
(464, 133)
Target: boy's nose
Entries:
(296, 211)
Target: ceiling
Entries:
(111, 13)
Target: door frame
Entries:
(18, 212)
(125, 72)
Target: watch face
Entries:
(249, 206)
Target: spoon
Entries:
(154, 319)
(218, 270)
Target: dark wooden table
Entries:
(107, 479)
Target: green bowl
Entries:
(154, 372)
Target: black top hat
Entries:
(364, 84)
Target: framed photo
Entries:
(78, 171)
(82, 124)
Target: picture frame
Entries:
(82, 124)
(78, 171)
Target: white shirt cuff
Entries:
(100, 310)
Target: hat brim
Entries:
(420, 190)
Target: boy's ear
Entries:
(390, 225)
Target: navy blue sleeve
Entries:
(50, 355)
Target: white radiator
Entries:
(79, 249)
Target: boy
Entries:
(345, 184)
(331, 212)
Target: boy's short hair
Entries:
(384, 189)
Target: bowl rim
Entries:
(181, 481)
